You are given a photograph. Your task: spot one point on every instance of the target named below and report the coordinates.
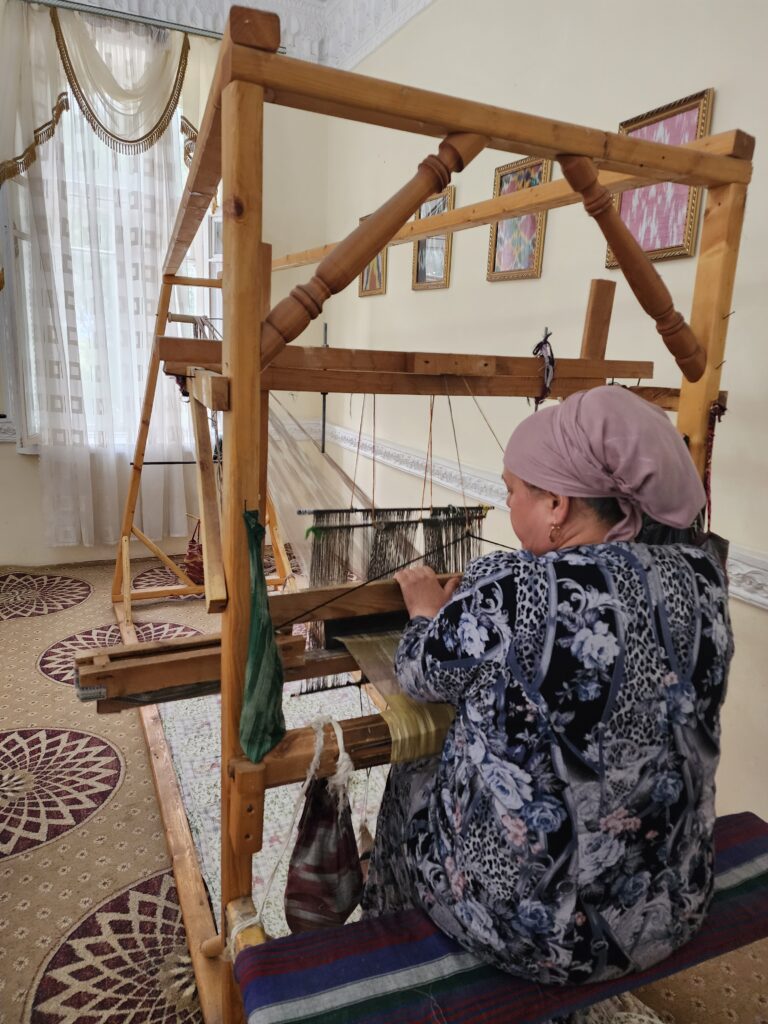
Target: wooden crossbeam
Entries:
(362, 382)
(548, 196)
(190, 351)
(192, 282)
(367, 740)
(163, 593)
(296, 358)
(125, 670)
(323, 90)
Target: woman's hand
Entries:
(422, 591)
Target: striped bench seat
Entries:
(400, 969)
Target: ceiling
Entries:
(339, 33)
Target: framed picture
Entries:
(664, 217)
(517, 244)
(373, 280)
(432, 256)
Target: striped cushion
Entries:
(400, 969)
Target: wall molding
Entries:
(748, 576)
(747, 570)
(479, 484)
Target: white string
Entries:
(479, 409)
(240, 926)
(458, 457)
(338, 781)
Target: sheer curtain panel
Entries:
(95, 224)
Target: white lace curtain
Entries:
(95, 223)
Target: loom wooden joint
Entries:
(209, 388)
(247, 810)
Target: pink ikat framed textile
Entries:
(664, 217)
(517, 244)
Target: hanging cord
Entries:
(357, 454)
(458, 457)
(544, 349)
(337, 782)
(428, 459)
(716, 413)
(485, 418)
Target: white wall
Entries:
(594, 63)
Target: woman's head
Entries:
(544, 521)
(585, 470)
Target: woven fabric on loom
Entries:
(400, 969)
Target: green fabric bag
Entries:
(262, 724)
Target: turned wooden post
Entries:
(342, 265)
(650, 291)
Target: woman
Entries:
(565, 834)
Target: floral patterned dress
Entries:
(565, 833)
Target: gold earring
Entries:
(554, 530)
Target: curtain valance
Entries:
(32, 85)
(129, 113)
(127, 78)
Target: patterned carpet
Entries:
(90, 928)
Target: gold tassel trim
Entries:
(189, 132)
(120, 145)
(20, 164)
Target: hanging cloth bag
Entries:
(325, 881)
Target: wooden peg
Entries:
(598, 319)
(650, 291)
(348, 259)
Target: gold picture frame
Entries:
(664, 218)
(432, 256)
(516, 245)
(373, 280)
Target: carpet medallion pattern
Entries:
(57, 661)
(51, 780)
(26, 594)
(126, 963)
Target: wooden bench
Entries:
(400, 969)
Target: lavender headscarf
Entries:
(608, 442)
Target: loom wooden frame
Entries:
(252, 359)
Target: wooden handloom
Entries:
(236, 376)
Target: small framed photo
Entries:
(664, 218)
(517, 244)
(432, 256)
(373, 280)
